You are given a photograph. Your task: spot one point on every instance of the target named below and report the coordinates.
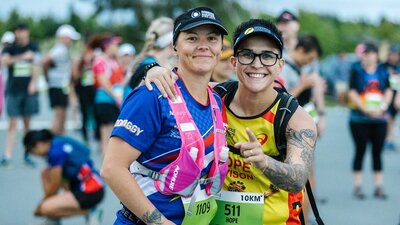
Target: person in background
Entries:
(157, 49)
(69, 169)
(224, 69)
(392, 65)
(57, 67)
(147, 132)
(370, 95)
(22, 59)
(108, 77)
(83, 80)
(288, 23)
(7, 40)
(126, 56)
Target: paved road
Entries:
(20, 187)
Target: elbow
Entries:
(299, 183)
(297, 187)
(106, 172)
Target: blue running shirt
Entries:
(77, 167)
(146, 122)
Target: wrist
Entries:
(148, 67)
(265, 164)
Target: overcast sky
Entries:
(344, 9)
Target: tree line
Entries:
(334, 34)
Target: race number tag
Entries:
(239, 208)
(87, 78)
(202, 211)
(373, 101)
(23, 69)
(312, 111)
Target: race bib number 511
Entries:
(239, 208)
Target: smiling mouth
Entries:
(256, 75)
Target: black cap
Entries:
(259, 30)
(370, 47)
(286, 16)
(197, 17)
(21, 26)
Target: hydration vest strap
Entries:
(216, 170)
(140, 169)
(192, 201)
(190, 135)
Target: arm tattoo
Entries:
(291, 176)
(152, 217)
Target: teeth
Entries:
(256, 75)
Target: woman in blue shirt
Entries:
(370, 95)
(146, 130)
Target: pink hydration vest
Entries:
(183, 175)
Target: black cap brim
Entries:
(204, 22)
(260, 31)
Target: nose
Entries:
(257, 62)
(203, 43)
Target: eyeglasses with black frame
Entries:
(267, 58)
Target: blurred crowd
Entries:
(94, 81)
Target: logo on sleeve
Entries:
(67, 148)
(129, 126)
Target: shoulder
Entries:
(99, 61)
(223, 88)
(142, 96)
(302, 121)
(57, 147)
(34, 46)
(60, 48)
(7, 49)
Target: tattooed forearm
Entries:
(288, 177)
(152, 217)
(292, 175)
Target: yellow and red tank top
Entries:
(280, 207)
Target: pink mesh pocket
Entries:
(179, 177)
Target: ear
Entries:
(281, 63)
(233, 61)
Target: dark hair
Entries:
(309, 43)
(34, 136)
(21, 26)
(261, 23)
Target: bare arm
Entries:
(301, 136)
(32, 88)
(115, 170)
(355, 99)
(319, 99)
(76, 73)
(8, 60)
(292, 174)
(387, 97)
(46, 66)
(51, 180)
(306, 81)
(164, 80)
